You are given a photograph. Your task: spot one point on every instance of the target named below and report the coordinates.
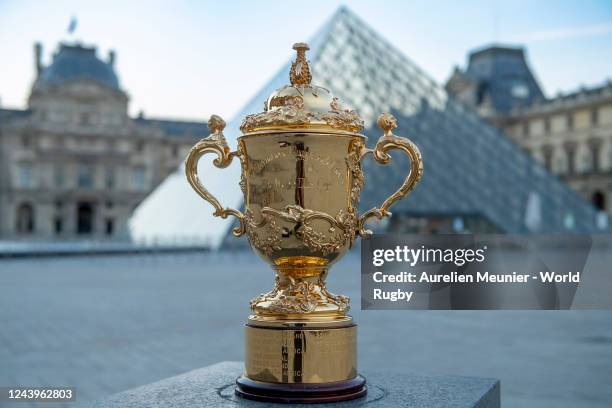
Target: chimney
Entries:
(111, 58)
(38, 58)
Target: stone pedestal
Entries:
(213, 386)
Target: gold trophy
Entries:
(301, 178)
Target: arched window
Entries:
(547, 125)
(560, 165)
(595, 150)
(526, 128)
(570, 157)
(599, 200)
(569, 121)
(109, 178)
(594, 117)
(85, 177)
(24, 222)
(585, 165)
(481, 93)
(547, 155)
(85, 218)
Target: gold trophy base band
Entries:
(301, 361)
(301, 354)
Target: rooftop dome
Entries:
(78, 62)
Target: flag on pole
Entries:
(72, 26)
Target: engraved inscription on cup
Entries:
(298, 198)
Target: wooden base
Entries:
(310, 393)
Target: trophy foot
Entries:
(306, 296)
(301, 393)
(299, 289)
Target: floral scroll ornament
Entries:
(291, 295)
(265, 235)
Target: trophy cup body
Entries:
(301, 179)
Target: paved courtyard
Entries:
(108, 323)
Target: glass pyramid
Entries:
(471, 169)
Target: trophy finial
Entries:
(387, 123)
(300, 68)
(302, 104)
(216, 124)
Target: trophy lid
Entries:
(302, 105)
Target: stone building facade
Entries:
(74, 164)
(570, 135)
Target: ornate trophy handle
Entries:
(215, 143)
(389, 141)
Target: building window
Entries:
(569, 222)
(59, 175)
(85, 218)
(585, 164)
(84, 176)
(560, 166)
(138, 178)
(481, 94)
(139, 146)
(25, 175)
(525, 128)
(599, 200)
(85, 118)
(547, 125)
(594, 117)
(519, 89)
(25, 142)
(547, 153)
(571, 165)
(109, 178)
(569, 119)
(58, 224)
(595, 158)
(109, 226)
(25, 219)
(175, 151)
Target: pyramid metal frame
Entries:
(471, 168)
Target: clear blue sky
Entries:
(188, 59)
